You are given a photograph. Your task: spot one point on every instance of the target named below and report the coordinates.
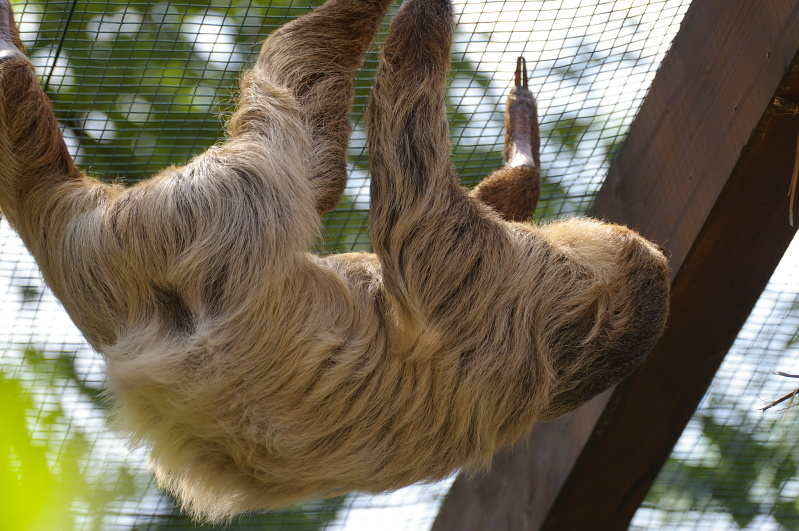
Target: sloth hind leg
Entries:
(314, 58)
(438, 247)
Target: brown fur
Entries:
(258, 374)
(514, 189)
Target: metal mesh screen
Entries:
(138, 85)
(736, 466)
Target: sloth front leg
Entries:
(34, 156)
(45, 198)
(514, 189)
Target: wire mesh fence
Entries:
(736, 466)
(138, 85)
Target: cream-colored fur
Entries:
(258, 374)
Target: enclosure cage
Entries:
(138, 85)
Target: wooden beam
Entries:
(523, 481)
(704, 171)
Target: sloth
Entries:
(258, 374)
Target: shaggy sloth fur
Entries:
(258, 374)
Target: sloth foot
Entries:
(521, 115)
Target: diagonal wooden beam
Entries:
(704, 171)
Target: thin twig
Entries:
(791, 107)
(792, 188)
(786, 397)
(781, 400)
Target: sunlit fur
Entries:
(258, 374)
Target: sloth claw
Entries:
(521, 72)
